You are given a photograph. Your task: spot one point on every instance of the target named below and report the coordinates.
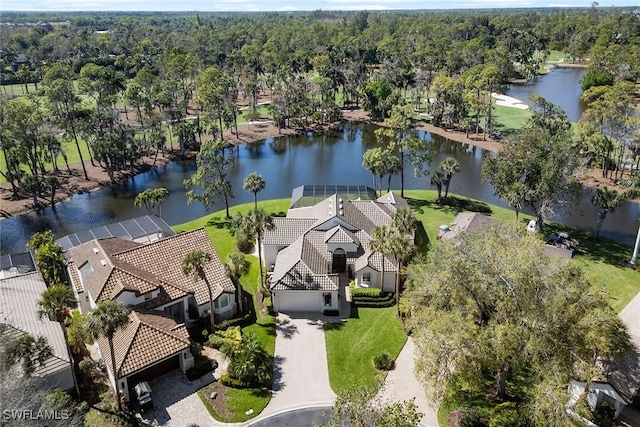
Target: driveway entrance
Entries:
(301, 375)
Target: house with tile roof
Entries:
(164, 302)
(19, 296)
(315, 250)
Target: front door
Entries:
(339, 261)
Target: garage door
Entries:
(297, 301)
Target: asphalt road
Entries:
(298, 418)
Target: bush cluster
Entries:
(368, 292)
(203, 365)
(381, 300)
(383, 361)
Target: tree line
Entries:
(161, 66)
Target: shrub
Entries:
(383, 361)
(371, 292)
(505, 415)
(203, 365)
(464, 416)
(244, 242)
(227, 340)
(232, 382)
(251, 364)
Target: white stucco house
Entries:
(316, 250)
(164, 302)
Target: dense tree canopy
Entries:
(495, 314)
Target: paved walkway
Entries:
(402, 385)
(176, 403)
(301, 374)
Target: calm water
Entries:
(560, 86)
(285, 163)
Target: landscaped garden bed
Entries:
(232, 405)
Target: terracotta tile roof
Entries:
(75, 276)
(163, 258)
(150, 337)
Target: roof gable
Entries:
(149, 338)
(163, 258)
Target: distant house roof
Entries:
(150, 337)
(19, 297)
(15, 264)
(144, 229)
(467, 222)
(309, 195)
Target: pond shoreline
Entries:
(74, 182)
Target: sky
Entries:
(289, 5)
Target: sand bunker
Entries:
(508, 101)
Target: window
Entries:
(366, 277)
(222, 301)
(327, 299)
(148, 296)
(85, 270)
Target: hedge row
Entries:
(384, 300)
(232, 382)
(373, 292)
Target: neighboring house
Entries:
(599, 393)
(473, 221)
(16, 264)
(315, 250)
(19, 297)
(20, 60)
(149, 279)
(466, 222)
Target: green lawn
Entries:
(351, 346)
(239, 401)
(509, 119)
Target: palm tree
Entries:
(401, 247)
(257, 222)
(450, 167)
(255, 183)
(438, 179)
(193, 265)
(237, 265)
(104, 321)
(379, 242)
(28, 349)
(56, 303)
(607, 200)
(403, 221)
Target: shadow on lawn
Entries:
(450, 204)
(219, 223)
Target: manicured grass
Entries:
(18, 89)
(351, 346)
(239, 401)
(509, 119)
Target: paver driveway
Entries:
(301, 375)
(176, 403)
